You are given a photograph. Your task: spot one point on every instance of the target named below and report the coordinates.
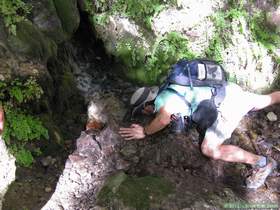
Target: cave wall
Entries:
(38, 43)
(149, 36)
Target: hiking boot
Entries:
(259, 175)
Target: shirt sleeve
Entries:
(172, 103)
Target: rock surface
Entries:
(85, 171)
(8, 170)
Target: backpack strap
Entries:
(189, 75)
(218, 94)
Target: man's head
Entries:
(142, 100)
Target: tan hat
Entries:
(141, 96)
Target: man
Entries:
(231, 110)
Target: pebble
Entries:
(271, 116)
(48, 161)
(48, 189)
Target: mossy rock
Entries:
(56, 139)
(31, 42)
(135, 192)
(47, 20)
(69, 16)
(66, 90)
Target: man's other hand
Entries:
(135, 131)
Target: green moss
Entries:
(150, 68)
(56, 138)
(32, 42)
(263, 34)
(257, 24)
(135, 192)
(139, 11)
(21, 128)
(66, 90)
(68, 14)
(13, 12)
(223, 30)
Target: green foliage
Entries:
(262, 33)
(13, 12)
(100, 19)
(257, 24)
(140, 11)
(167, 51)
(236, 4)
(223, 29)
(95, 7)
(149, 68)
(23, 156)
(21, 127)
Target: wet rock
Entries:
(271, 116)
(273, 18)
(31, 42)
(129, 150)
(46, 161)
(47, 20)
(86, 171)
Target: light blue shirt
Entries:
(175, 104)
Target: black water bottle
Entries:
(177, 123)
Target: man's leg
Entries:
(230, 153)
(212, 145)
(262, 101)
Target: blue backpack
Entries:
(198, 73)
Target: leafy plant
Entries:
(140, 11)
(23, 156)
(223, 29)
(13, 12)
(165, 52)
(262, 33)
(21, 127)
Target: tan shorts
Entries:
(236, 104)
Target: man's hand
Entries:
(135, 131)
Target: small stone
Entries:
(271, 116)
(48, 189)
(46, 161)
(53, 161)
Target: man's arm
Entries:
(158, 123)
(262, 101)
(136, 131)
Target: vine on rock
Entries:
(21, 127)
(13, 12)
